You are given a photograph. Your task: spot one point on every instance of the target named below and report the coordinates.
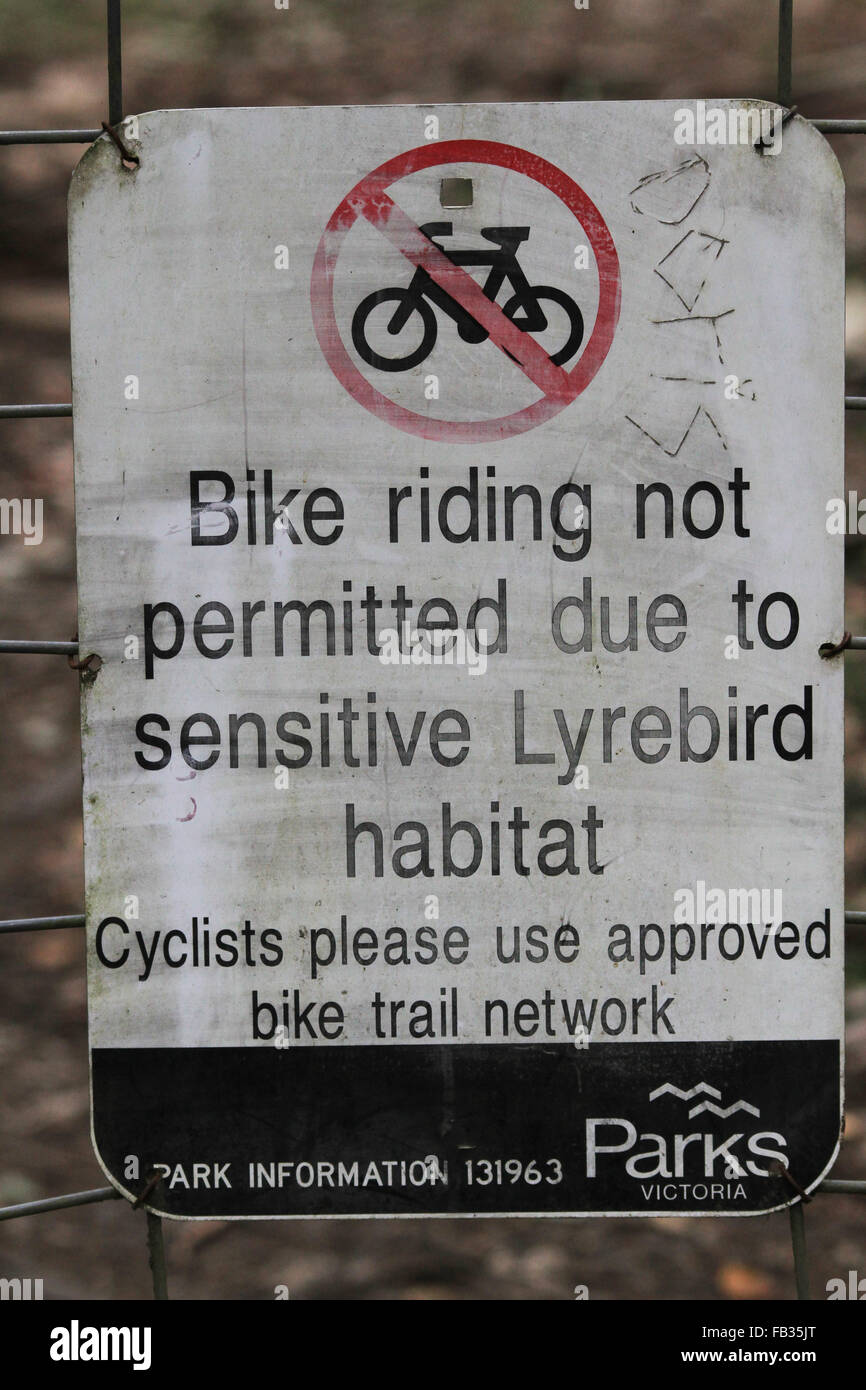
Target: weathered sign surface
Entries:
(463, 784)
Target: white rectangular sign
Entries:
(463, 783)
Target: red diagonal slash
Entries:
(384, 214)
(368, 199)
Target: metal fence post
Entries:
(115, 66)
(784, 86)
(156, 1257)
(798, 1244)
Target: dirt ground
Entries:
(246, 52)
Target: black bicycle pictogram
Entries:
(523, 308)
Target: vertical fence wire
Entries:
(155, 1235)
(784, 85)
(784, 93)
(115, 64)
(156, 1257)
(798, 1245)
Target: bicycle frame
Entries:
(504, 266)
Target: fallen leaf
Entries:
(739, 1281)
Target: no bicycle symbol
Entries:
(394, 327)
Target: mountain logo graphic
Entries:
(713, 1105)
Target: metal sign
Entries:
(463, 782)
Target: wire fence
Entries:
(155, 1241)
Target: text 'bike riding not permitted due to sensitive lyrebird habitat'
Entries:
(463, 782)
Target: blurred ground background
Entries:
(246, 52)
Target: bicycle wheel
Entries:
(575, 317)
(407, 306)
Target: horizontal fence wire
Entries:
(27, 412)
(839, 127)
(86, 137)
(14, 648)
(839, 1186)
(16, 924)
(77, 919)
(28, 648)
(30, 412)
(48, 137)
(70, 1199)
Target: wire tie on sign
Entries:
(89, 666)
(126, 155)
(86, 664)
(153, 1177)
(760, 143)
(782, 1171)
(829, 649)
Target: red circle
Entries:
(476, 152)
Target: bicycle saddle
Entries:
(506, 236)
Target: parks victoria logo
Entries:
(697, 1164)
